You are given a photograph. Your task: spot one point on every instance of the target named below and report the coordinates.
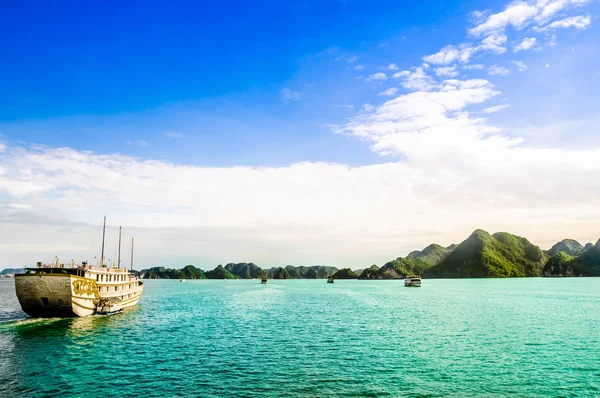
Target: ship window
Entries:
(45, 301)
(97, 277)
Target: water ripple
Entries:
(487, 338)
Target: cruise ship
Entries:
(56, 291)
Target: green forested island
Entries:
(481, 255)
(241, 271)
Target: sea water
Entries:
(529, 337)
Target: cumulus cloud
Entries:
(478, 17)
(415, 79)
(378, 76)
(446, 71)
(359, 67)
(579, 22)
(497, 70)
(497, 108)
(392, 67)
(491, 27)
(494, 43)
(516, 14)
(520, 14)
(521, 66)
(526, 44)
(470, 159)
(450, 54)
(287, 95)
(389, 92)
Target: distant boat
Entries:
(182, 280)
(412, 281)
(263, 281)
(330, 279)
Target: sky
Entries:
(335, 132)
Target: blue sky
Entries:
(97, 75)
(387, 126)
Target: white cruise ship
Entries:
(55, 291)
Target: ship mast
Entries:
(103, 234)
(119, 258)
(131, 264)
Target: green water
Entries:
(519, 337)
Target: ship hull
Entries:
(56, 295)
(64, 295)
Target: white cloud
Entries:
(389, 92)
(473, 67)
(497, 108)
(478, 17)
(494, 43)
(579, 22)
(550, 8)
(516, 15)
(496, 70)
(287, 95)
(446, 71)
(450, 54)
(173, 134)
(359, 67)
(459, 157)
(417, 79)
(526, 44)
(520, 14)
(378, 76)
(392, 67)
(521, 66)
(404, 73)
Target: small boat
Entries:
(330, 279)
(109, 306)
(263, 281)
(182, 280)
(412, 281)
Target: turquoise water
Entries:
(519, 337)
